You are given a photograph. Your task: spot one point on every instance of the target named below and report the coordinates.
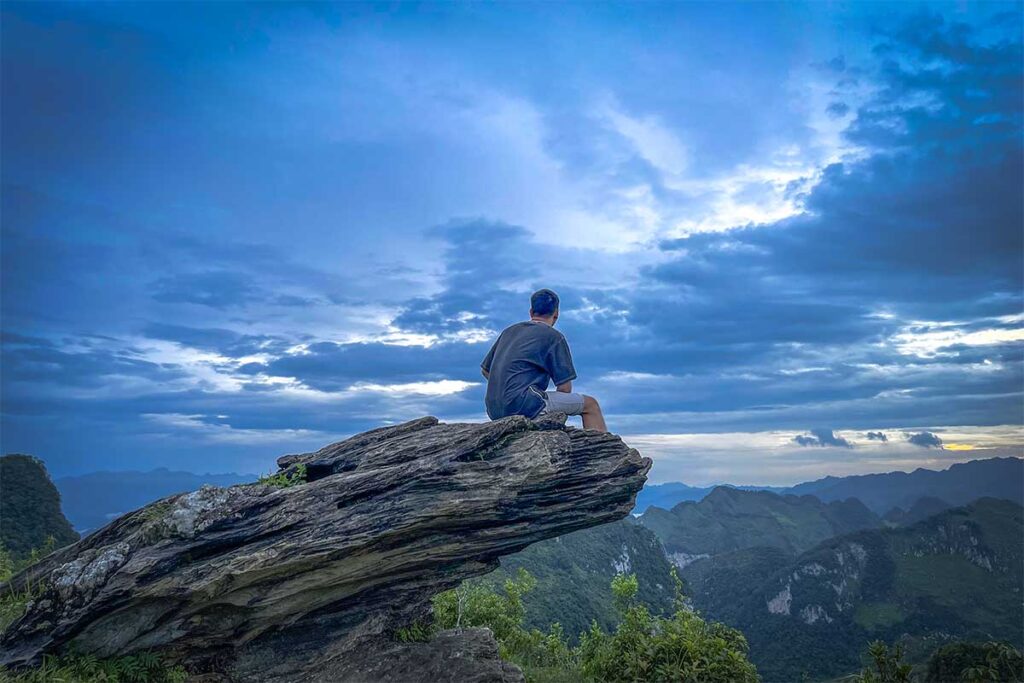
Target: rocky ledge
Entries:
(305, 582)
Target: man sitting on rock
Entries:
(525, 358)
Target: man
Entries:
(525, 358)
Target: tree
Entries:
(976, 663)
(888, 665)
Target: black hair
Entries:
(544, 302)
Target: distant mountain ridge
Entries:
(960, 484)
(954, 575)
(670, 494)
(731, 519)
(92, 500)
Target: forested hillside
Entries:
(730, 519)
(573, 573)
(29, 507)
(956, 575)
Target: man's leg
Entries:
(593, 418)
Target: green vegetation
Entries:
(29, 508)
(13, 603)
(285, 478)
(144, 667)
(573, 571)
(976, 663)
(642, 646)
(878, 615)
(886, 666)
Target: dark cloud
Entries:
(837, 109)
(214, 289)
(821, 437)
(221, 341)
(877, 436)
(33, 360)
(925, 440)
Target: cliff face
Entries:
(266, 583)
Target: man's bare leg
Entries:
(593, 418)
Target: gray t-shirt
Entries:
(522, 361)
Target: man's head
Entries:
(544, 306)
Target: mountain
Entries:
(92, 500)
(667, 496)
(955, 575)
(574, 572)
(922, 508)
(958, 485)
(29, 507)
(731, 519)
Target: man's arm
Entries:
(565, 387)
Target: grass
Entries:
(285, 479)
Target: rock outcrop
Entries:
(258, 582)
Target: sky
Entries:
(787, 237)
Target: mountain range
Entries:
(729, 519)
(959, 484)
(955, 575)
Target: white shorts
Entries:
(562, 402)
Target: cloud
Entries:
(838, 109)
(877, 436)
(838, 249)
(821, 437)
(925, 440)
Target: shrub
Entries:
(285, 479)
(642, 647)
(888, 665)
(975, 662)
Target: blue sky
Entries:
(234, 231)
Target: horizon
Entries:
(787, 238)
(715, 484)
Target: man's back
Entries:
(522, 361)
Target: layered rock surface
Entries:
(255, 582)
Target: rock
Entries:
(454, 656)
(255, 582)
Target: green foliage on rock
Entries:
(285, 478)
(144, 667)
(71, 667)
(29, 507)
